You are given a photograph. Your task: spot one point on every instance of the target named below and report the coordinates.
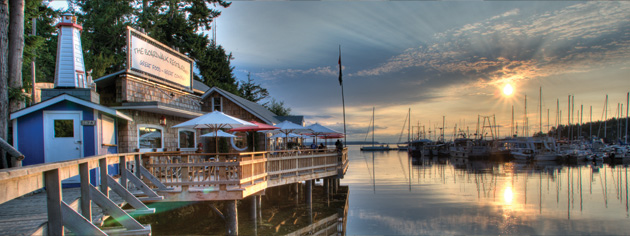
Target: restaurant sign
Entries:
(161, 63)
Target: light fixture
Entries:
(163, 120)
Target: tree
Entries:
(178, 23)
(47, 36)
(278, 108)
(4, 90)
(104, 34)
(16, 48)
(252, 91)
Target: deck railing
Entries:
(221, 171)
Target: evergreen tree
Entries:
(252, 91)
(178, 24)
(43, 45)
(104, 34)
(278, 108)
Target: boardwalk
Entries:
(27, 214)
(145, 177)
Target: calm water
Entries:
(393, 194)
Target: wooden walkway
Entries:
(146, 177)
(27, 215)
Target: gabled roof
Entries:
(295, 119)
(254, 108)
(200, 86)
(66, 97)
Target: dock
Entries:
(151, 177)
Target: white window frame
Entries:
(149, 126)
(104, 119)
(220, 103)
(179, 145)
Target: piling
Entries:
(253, 210)
(231, 217)
(309, 193)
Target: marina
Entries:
(239, 118)
(394, 194)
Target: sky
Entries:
(443, 60)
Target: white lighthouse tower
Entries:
(70, 74)
(70, 69)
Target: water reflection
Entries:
(283, 211)
(391, 193)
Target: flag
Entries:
(340, 80)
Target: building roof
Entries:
(254, 108)
(66, 97)
(295, 119)
(159, 108)
(200, 86)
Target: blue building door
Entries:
(62, 135)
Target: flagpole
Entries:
(343, 102)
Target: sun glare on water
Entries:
(508, 90)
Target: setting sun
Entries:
(508, 90)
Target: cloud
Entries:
(577, 38)
(292, 73)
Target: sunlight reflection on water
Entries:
(391, 193)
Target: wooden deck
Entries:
(209, 177)
(27, 215)
(174, 176)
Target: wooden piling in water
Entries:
(309, 193)
(231, 217)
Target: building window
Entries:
(150, 137)
(216, 104)
(107, 130)
(64, 128)
(186, 139)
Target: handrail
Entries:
(17, 155)
(19, 181)
(220, 171)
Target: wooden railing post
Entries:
(122, 166)
(86, 201)
(103, 167)
(185, 175)
(222, 173)
(138, 164)
(53, 202)
(252, 168)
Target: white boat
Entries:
(534, 149)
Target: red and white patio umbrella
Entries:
(215, 120)
(257, 127)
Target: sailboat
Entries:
(382, 147)
(405, 145)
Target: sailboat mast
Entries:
(569, 118)
(605, 116)
(525, 123)
(540, 107)
(373, 121)
(512, 125)
(627, 108)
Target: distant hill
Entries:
(332, 142)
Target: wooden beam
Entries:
(53, 202)
(113, 210)
(102, 163)
(77, 223)
(86, 201)
(128, 197)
